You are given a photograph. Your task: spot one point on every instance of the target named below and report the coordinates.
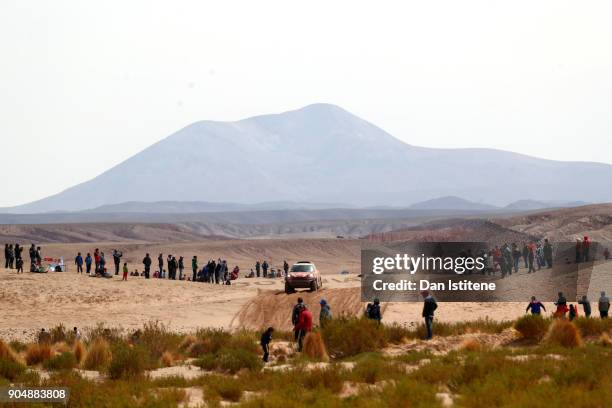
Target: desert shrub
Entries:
(471, 344)
(229, 360)
(60, 347)
(233, 360)
(128, 362)
(604, 340)
(396, 333)
(563, 333)
(7, 353)
(409, 393)
(210, 340)
(243, 340)
(228, 389)
(347, 336)
(111, 335)
(79, 351)
(17, 346)
(330, 378)
(98, 355)
(157, 339)
(592, 327)
(187, 342)
(58, 334)
(63, 361)
(166, 359)
(532, 327)
(10, 369)
(314, 347)
(372, 367)
(37, 353)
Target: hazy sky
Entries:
(86, 86)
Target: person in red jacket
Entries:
(303, 326)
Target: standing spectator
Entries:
(303, 326)
(125, 271)
(194, 267)
(548, 253)
(160, 262)
(604, 305)
(78, 261)
(573, 312)
(19, 265)
(286, 267)
(181, 266)
(266, 338)
(586, 247)
(516, 257)
(97, 260)
(11, 256)
(6, 256)
(525, 254)
(117, 260)
(257, 268)
(429, 307)
(146, 261)
(18, 250)
(325, 314)
(88, 262)
(531, 257)
(264, 267)
(586, 306)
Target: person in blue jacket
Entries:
(88, 262)
(78, 261)
(535, 306)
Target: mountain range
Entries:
(322, 154)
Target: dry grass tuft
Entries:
(37, 353)
(61, 347)
(7, 353)
(605, 340)
(532, 327)
(79, 351)
(314, 347)
(563, 333)
(187, 342)
(166, 360)
(471, 344)
(98, 355)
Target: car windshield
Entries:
(302, 268)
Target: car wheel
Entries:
(314, 286)
(288, 289)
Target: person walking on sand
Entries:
(146, 261)
(78, 261)
(285, 268)
(194, 267)
(19, 265)
(535, 306)
(265, 340)
(604, 305)
(303, 326)
(429, 308)
(88, 262)
(125, 271)
(586, 306)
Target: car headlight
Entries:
(311, 275)
(291, 275)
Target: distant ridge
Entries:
(321, 154)
(451, 203)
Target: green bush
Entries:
(230, 360)
(592, 327)
(127, 362)
(157, 339)
(10, 369)
(532, 327)
(346, 336)
(63, 361)
(228, 389)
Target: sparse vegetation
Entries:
(532, 327)
(470, 373)
(98, 355)
(563, 333)
(37, 353)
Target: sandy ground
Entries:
(30, 301)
